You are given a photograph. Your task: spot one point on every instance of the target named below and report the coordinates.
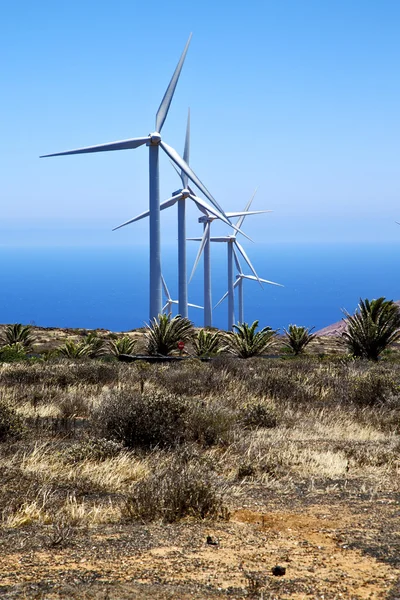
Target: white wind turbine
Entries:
(240, 276)
(167, 308)
(207, 219)
(154, 142)
(179, 197)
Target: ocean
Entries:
(107, 287)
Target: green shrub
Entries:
(12, 352)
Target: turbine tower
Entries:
(154, 142)
(180, 197)
(205, 247)
(168, 305)
(240, 276)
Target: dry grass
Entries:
(259, 432)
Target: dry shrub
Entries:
(184, 487)
(157, 419)
(142, 420)
(62, 373)
(257, 414)
(91, 449)
(11, 424)
(373, 387)
(74, 404)
(210, 423)
(376, 455)
(193, 378)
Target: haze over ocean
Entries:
(107, 287)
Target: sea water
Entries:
(108, 287)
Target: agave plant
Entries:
(164, 333)
(246, 341)
(373, 327)
(18, 333)
(74, 350)
(96, 346)
(207, 343)
(123, 345)
(297, 338)
(12, 352)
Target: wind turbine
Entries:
(179, 197)
(168, 305)
(154, 142)
(239, 284)
(205, 247)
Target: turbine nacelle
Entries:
(154, 139)
(182, 193)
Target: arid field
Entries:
(198, 479)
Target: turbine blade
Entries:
(166, 101)
(190, 173)
(242, 218)
(200, 250)
(201, 209)
(195, 306)
(179, 173)
(186, 151)
(231, 215)
(138, 218)
(226, 294)
(163, 206)
(246, 258)
(252, 278)
(222, 299)
(208, 208)
(236, 258)
(121, 145)
(166, 291)
(217, 214)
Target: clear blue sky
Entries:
(300, 98)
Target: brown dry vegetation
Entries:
(194, 480)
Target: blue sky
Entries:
(300, 98)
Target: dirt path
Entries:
(177, 562)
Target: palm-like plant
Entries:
(207, 343)
(123, 345)
(246, 341)
(18, 333)
(163, 334)
(373, 327)
(297, 338)
(74, 350)
(96, 346)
